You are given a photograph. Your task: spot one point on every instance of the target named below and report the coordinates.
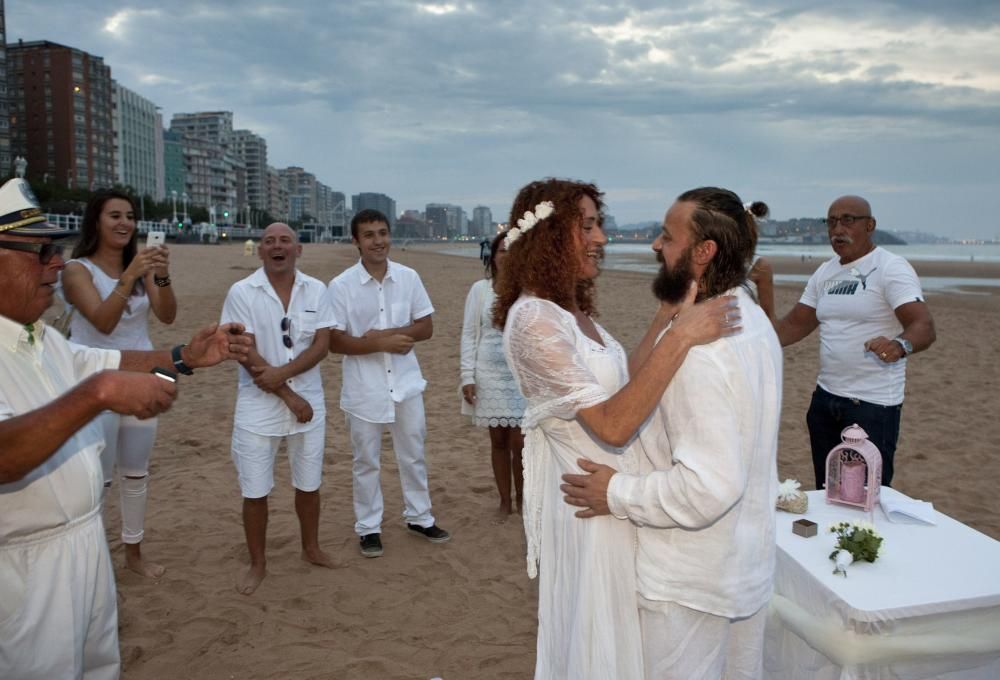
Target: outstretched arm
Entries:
(27, 440)
(211, 345)
(796, 325)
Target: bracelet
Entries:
(120, 294)
(161, 282)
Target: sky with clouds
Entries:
(793, 102)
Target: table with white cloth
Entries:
(928, 608)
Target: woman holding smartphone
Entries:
(113, 286)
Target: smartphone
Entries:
(154, 238)
(164, 374)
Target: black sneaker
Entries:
(433, 533)
(371, 545)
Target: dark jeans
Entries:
(829, 414)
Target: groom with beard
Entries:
(704, 497)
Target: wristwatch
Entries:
(175, 355)
(905, 344)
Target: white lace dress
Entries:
(588, 621)
(498, 400)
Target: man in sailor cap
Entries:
(58, 614)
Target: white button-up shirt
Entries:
(374, 383)
(68, 484)
(704, 500)
(254, 303)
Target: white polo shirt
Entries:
(254, 303)
(68, 484)
(374, 383)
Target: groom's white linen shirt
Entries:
(704, 497)
(374, 383)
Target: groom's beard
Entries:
(671, 283)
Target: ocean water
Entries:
(638, 257)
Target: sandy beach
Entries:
(464, 609)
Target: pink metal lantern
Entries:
(854, 470)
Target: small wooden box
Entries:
(804, 528)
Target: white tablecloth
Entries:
(928, 608)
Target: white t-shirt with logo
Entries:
(854, 303)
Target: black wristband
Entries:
(161, 281)
(179, 364)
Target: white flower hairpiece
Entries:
(527, 223)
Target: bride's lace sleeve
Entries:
(540, 344)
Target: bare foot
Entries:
(248, 582)
(134, 562)
(319, 558)
(500, 516)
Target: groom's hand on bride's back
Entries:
(589, 491)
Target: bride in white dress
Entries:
(580, 404)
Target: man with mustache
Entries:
(871, 315)
(58, 610)
(704, 495)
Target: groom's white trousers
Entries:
(679, 643)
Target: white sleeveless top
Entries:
(132, 331)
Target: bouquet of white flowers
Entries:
(856, 542)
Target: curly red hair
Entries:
(544, 260)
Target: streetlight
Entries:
(184, 198)
(173, 202)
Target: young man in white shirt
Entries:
(382, 309)
(280, 393)
(871, 315)
(704, 497)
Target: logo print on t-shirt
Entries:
(848, 286)
(840, 287)
(863, 278)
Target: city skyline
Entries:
(464, 102)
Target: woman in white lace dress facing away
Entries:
(581, 404)
(489, 393)
(113, 286)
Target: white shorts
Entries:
(253, 455)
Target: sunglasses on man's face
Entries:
(45, 251)
(286, 329)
